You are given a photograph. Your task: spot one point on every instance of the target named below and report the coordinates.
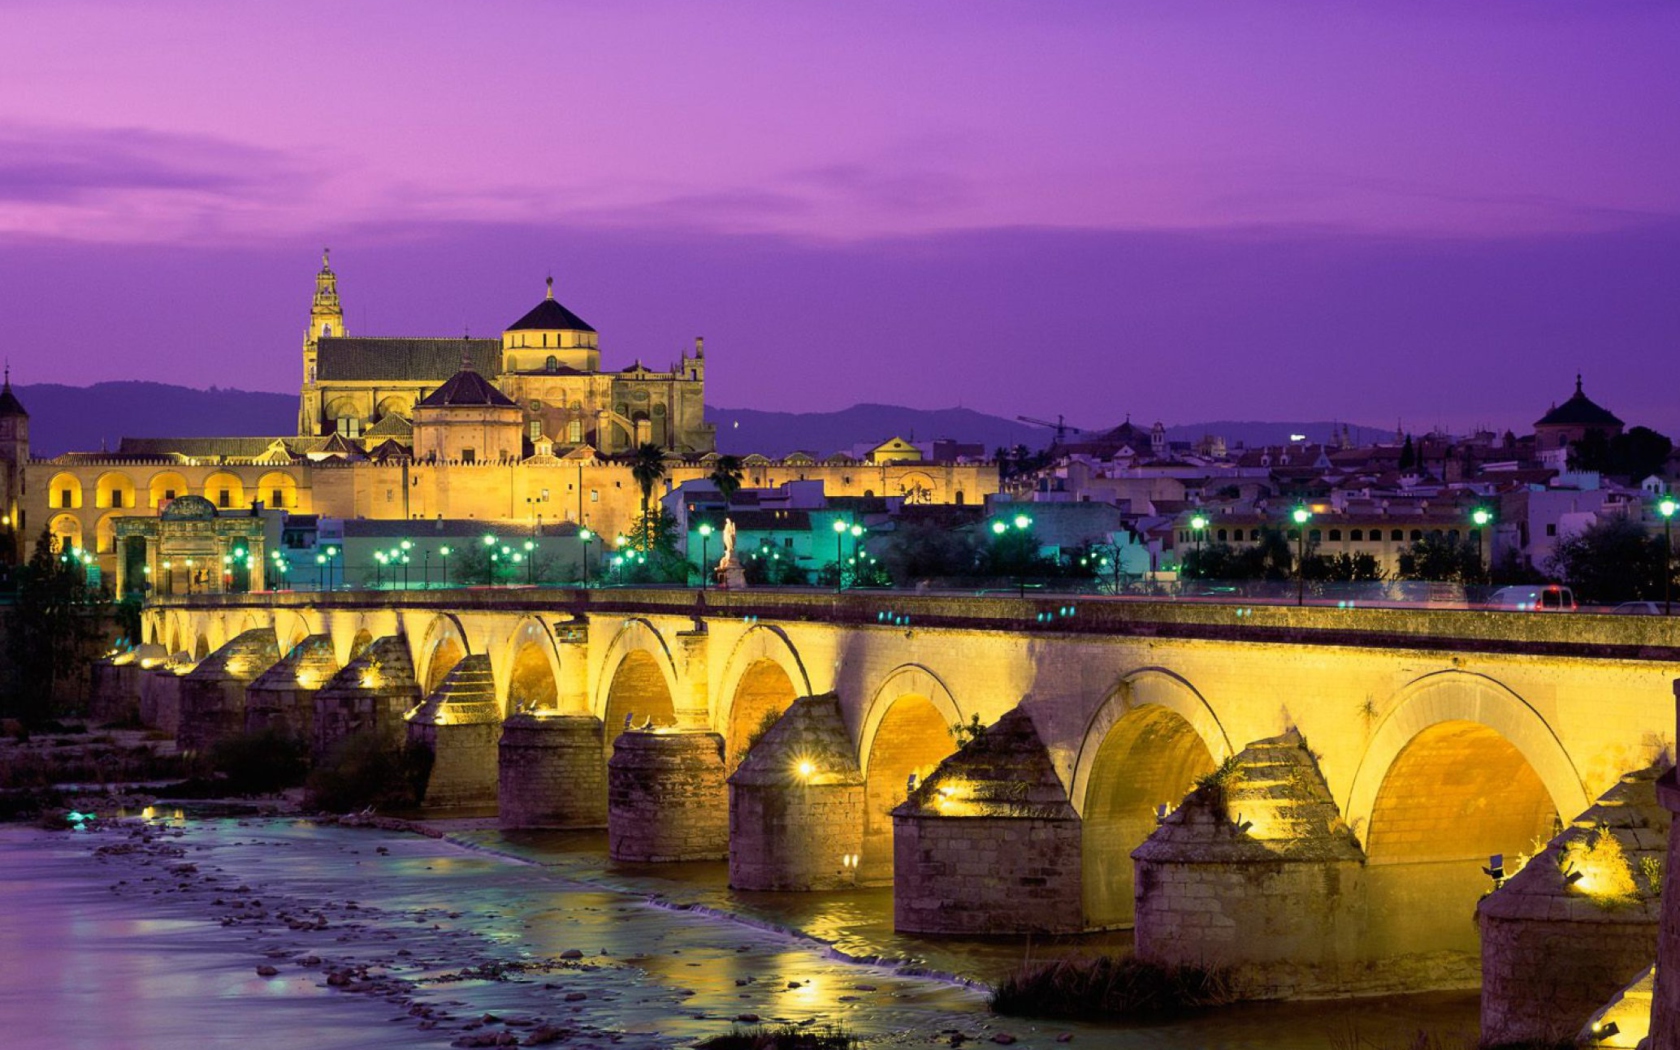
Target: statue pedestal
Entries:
(730, 575)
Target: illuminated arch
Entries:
(905, 680)
(64, 492)
(114, 489)
(66, 530)
(1146, 745)
(1461, 696)
(443, 646)
(760, 646)
(636, 635)
(225, 482)
(1144, 687)
(105, 533)
(394, 404)
(531, 668)
(907, 729)
(278, 490)
(165, 486)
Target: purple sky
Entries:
(1426, 212)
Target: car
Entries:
(1534, 597)
(1638, 609)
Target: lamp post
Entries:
(1482, 516)
(585, 535)
(705, 531)
(168, 576)
(189, 577)
(1666, 508)
(489, 560)
(840, 530)
(332, 552)
(857, 532)
(530, 561)
(444, 554)
(320, 571)
(1301, 515)
(1198, 525)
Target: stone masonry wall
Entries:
(666, 798)
(160, 699)
(463, 763)
(794, 836)
(986, 875)
(551, 772)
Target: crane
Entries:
(1058, 426)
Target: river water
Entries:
(149, 933)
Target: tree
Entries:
(1343, 568)
(1408, 454)
(647, 466)
(726, 475)
(1441, 558)
(55, 619)
(1610, 561)
(650, 551)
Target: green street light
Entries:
(1301, 516)
(840, 528)
(1666, 508)
(999, 528)
(705, 531)
(585, 535)
(1023, 522)
(1198, 525)
(1481, 516)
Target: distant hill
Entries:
(84, 419)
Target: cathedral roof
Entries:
(413, 360)
(1579, 411)
(466, 388)
(549, 315)
(199, 447)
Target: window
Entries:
(594, 496)
(1312, 535)
(116, 498)
(574, 431)
(1417, 535)
(277, 498)
(1357, 534)
(64, 498)
(536, 430)
(1335, 535)
(224, 498)
(1551, 527)
(469, 455)
(552, 364)
(1219, 535)
(1396, 535)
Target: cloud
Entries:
(65, 165)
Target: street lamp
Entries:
(1198, 525)
(444, 554)
(1022, 524)
(705, 531)
(1481, 516)
(857, 532)
(840, 529)
(1666, 508)
(530, 561)
(1301, 515)
(332, 552)
(585, 535)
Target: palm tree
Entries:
(726, 475)
(647, 466)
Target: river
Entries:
(149, 933)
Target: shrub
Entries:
(1104, 987)
(362, 771)
(782, 1037)
(260, 763)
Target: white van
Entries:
(1534, 597)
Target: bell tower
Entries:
(326, 318)
(14, 461)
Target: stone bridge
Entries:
(1387, 753)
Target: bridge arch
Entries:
(290, 629)
(638, 677)
(1152, 737)
(764, 674)
(906, 729)
(441, 648)
(531, 669)
(1460, 769)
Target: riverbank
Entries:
(150, 932)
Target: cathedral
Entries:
(547, 364)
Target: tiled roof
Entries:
(197, 447)
(9, 404)
(465, 388)
(551, 316)
(1579, 411)
(415, 360)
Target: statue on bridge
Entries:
(729, 574)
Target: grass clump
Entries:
(362, 771)
(261, 763)
(1104, 987)
(780, 1037)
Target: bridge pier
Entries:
(213, 694)
(369, 695)
(550, 772)
(666, 798)
(1665, 1001)
(114, 689)
(989, 842)
(1255, 872)
(283, 697)
(796, 804)
(1553, 950)
(459, 724)
(160, 698)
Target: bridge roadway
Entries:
(1440, 736)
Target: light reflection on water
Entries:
(148, 964)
